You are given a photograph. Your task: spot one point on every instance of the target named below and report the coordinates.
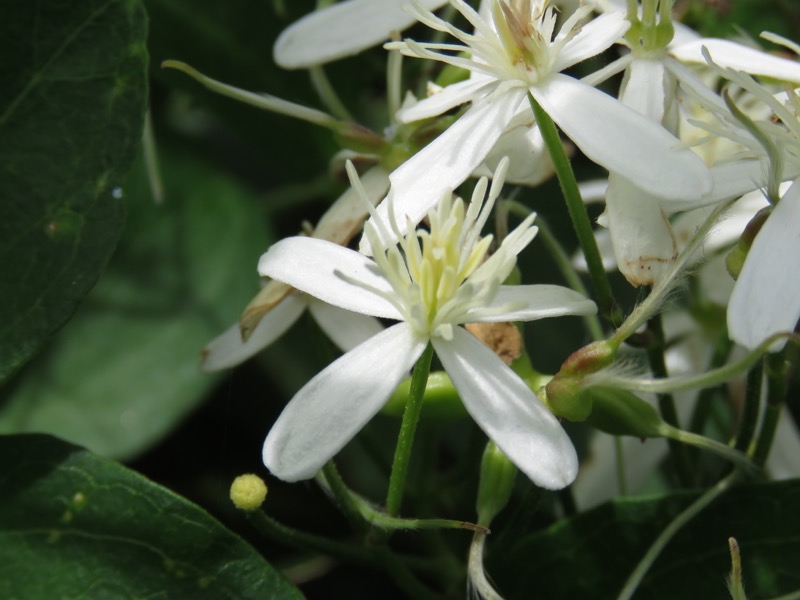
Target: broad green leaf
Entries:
(72, 100)
(125, 370)
(75, 525)
(592, 554)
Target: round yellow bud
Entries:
(248, 492)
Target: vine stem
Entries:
(575, 207)
(669, 532)
(405, 440)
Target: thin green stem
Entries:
(752, 404)
(576, 208)
(344, 498)
(405, 440)
(619, 456)
(151, 159)
(688, 382)
(328, 95)
(669, 532)
(776, 369)
(666, 403)
(560, 257)
(702, 407)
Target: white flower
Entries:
(431, 283)
(340, 30)
(512, 55)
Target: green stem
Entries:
(698, 441)
(702, 407)
(405, 440)
(776, 369)
(669, 532)
(688, 382)
(151, 159)
(576, 208)
(344, 498)
(752, 404)
(560, 257)
(619, 456)
(328, 95)
(666, 403)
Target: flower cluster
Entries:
(699, 153)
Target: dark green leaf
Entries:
(125, 369)
(72, 99)
(74, 525)
(592, 554)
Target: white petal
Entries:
(313, 266)
(442, 101)
(736, 56)
(766, 297)
(622, 140)
(345, 216)
(229, 350)
(445, 163)
(345, 328)
(510, 413)
(331, 408)
(531, 302)
(594, 37)
(341, 30)
(529, 160)
(643, 88)
(736, 178)
(641, 234)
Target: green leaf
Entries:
(125, 370)
(592, 554)
(72, 99)
(74, 525)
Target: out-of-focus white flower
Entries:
(432, 282)
(340, 30)
(515, 53)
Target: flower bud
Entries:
(589, 359)
(735, 259)
(565, 398)
(248, 492)
(441, 400)
(496, 482)
(620, 412)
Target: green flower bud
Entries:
(496, 482)
(565, 398)
(248, 492)
(620, 412)
(735, 259)
(441, 400)
(589, 359)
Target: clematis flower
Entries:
(431, 283)
(515, 53)
(340, 30)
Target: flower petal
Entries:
(726, 53)
(766, 297)
(345, 328)
(641, 234)
(440, 102)
(594, 37)
(510, 413)
(228, 349)
(316, 267)
(331, 408)
(341, 30)
(643, 88)
(532, 302)
(445, 163)
(622, 140)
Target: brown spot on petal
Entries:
(646, 269)
(504, 339)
